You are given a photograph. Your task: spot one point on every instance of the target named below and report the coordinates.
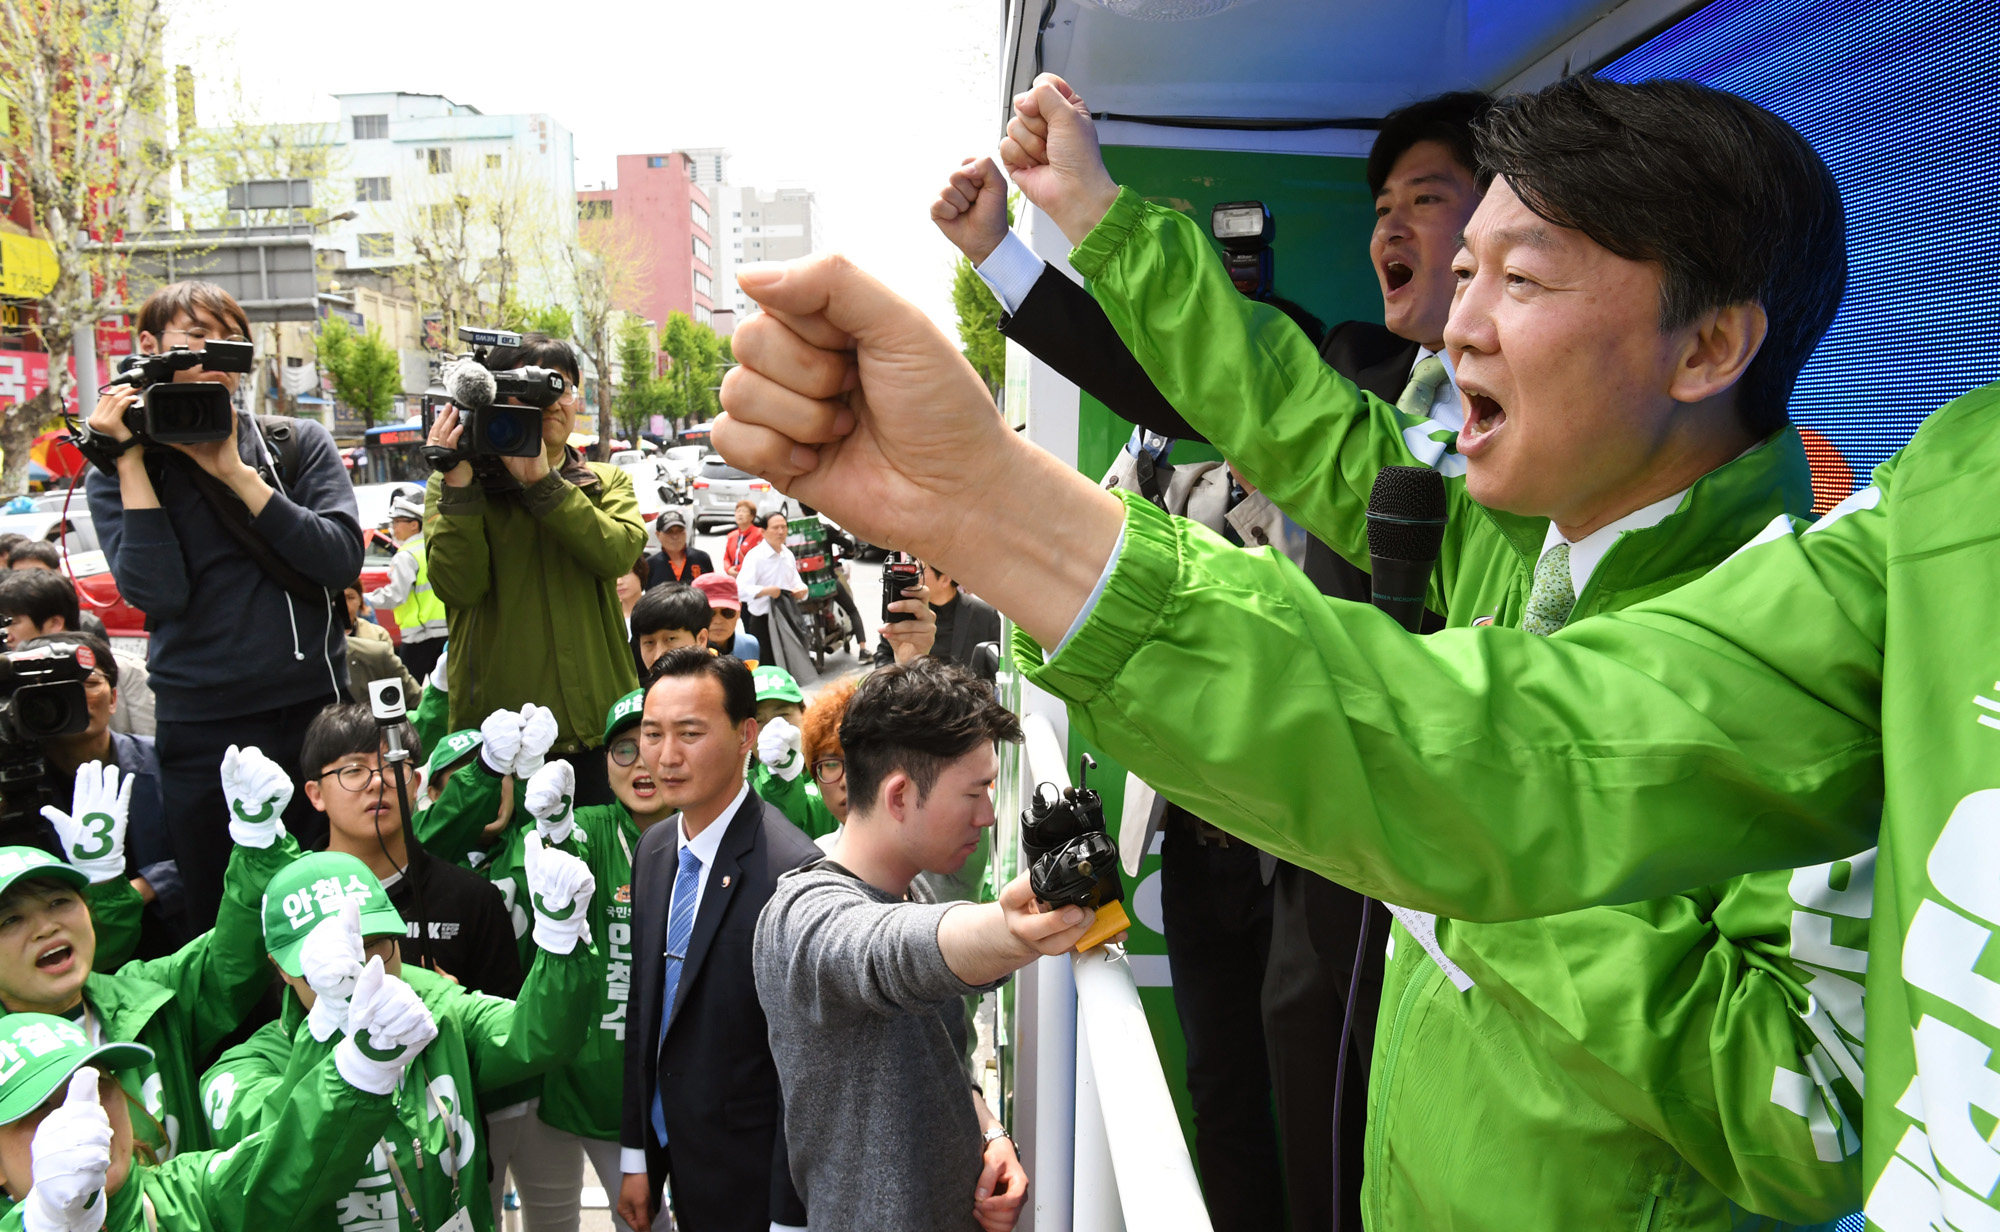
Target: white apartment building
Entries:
(759, 224)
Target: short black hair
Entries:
(917, 717)
(10, 541)
(1729, 200)
(670, 605)
(1445, 118)
(538, 351)
(99, 648)
(40, 550)
(739, 687)
(764, 520)
(346, 728)
(38, 594)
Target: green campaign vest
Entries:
(421, 606)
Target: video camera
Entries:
(170, 412)
(41, 695)
(494, 427)
(1072, 859)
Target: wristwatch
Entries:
(996, 1131)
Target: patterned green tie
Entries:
(1422, 390)
(1552, 597)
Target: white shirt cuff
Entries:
(1096, 592)
(631, 1159)
(1011, 271)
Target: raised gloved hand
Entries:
(258, 791)
(501, 741)
(92, 833)
(72, 1157)
(778, 749)
(330, 960)
(550, 797)
(387, 1026)
(559, 886)
(538, 735)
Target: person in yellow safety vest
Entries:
(419, 613)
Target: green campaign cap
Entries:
(775, 683)
(624, 712)
(38, 1053)
(313, 887)
(453, 748)
(32, 862)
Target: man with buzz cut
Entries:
(1646, 273)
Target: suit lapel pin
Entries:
(725, 881)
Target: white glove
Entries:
(258, 791)
(559, 886)
(388, 1025)
(436, 679)
(538, 735)
(330, 960)
(502, 741)
(551, 795)
(778, 749)
(93, 832)
(72, 1156)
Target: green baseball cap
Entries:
(38, 1053)
(313, 887)
(32, 862)
(455, 747)
(624, 712)
(774, 683)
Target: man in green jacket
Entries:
(526, 554)
(179, 1006)
(582, 1102)
(322, 917)
(1727, 1086)
(1591, 377)
(66, 1136)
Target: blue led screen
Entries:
(1902, 100)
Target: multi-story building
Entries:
(403, 154)
(660, 209)
(762, 224)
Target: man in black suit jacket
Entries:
(707, 1079)
(1301, 933)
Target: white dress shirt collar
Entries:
(1585, 553)
(1448, 407)
(709, 841)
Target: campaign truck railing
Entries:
(1092, 1110)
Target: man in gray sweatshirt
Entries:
(860, 974)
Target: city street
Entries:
(863, 576)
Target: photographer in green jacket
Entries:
(1625, 358)
(526, 554)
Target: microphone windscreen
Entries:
(1406, 513)
(470, 384)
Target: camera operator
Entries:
(199, 536)
(149, 851)
(526, 554)
(860, 972)
(36, 603)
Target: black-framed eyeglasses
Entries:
(624, 752)
(357, 778)
(830, 769)
(201, 336)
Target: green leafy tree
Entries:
(694, 352)
(551, 319)
(365, 370)
(979, 326)
(642, 393)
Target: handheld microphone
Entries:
(1406, 521)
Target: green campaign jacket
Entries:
(484, 1044)
(453, 828)
(1667, 1060)
(292, 1175)
(797, 798)
(586, 1096)
(529, 582)
(1813, 694)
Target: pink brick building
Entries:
(666, 214)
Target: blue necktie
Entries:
(680, 930)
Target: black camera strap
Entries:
(235, 518)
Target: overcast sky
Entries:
(869, 105)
